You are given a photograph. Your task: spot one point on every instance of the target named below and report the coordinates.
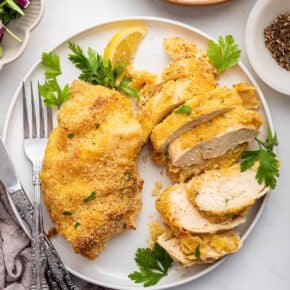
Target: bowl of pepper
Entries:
(268, 42)
(17, 19)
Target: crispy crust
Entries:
(104, 147)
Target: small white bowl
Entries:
(261, 16)
(22, 26)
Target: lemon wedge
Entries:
(123, 45)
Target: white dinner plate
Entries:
(112, 267)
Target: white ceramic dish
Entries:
(111, 268)
(22, 26)
(261, 16)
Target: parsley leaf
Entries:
(77, 224)
(184, 109)
(153, 264)
(268, 170)
(52, 93)
(97, 70)
(67, 213)
(223, 54)
(91, 197)
(197, 252)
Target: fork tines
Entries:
(32, 116)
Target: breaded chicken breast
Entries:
(189, 249)
(90, 180)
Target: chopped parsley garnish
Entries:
(52, 93)
(70, 135)
(97, 70)
(184, 109)
(91, 197)
(197, 252)
(77, 224)
(98, 126)
(268, 170)
(67, 213)
(153, 264)
(223, 54)
(129, 175)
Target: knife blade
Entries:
(10, 180)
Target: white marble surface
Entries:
(264, 261)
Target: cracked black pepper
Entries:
(277, 39)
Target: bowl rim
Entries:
(254, 14)
(26, 37)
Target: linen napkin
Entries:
(15, 251)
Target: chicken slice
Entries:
(225, 192)
(179, 48)
(189, 67)
(178, 213)
(181, 174)
(211, 247)
(168, 97)
(248, 95)
(215, 138)
(203, 108)
(90, 179)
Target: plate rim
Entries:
(191, 29)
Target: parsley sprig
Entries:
(184, 109)
(52, 93)
(268, 170)
(223, 54)
(97, 70)
(153, 263)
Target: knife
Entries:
(56, 274)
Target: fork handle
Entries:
(37, 241)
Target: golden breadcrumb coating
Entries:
(177, 47)
(237, 118)
(92, 153)
(168, 97)
(248, 95)
(190, 249)
(203, 108)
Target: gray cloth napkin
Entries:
(15, 251)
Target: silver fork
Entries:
(34, 147)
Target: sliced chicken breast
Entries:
(181, 174)
(190, 249)
(178, 48)
(248, 95)
(225, 192)
(168, 97)
(180, 215)
(215, 138)
(203, 108)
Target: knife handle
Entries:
(23, 206)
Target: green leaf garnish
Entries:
(97, 70)
(223, 54)
(70, 135)
(124, 86)
(128, 175)
(197, 252)
(184, 109)
(153, 264)
(77, 224)
(67, 213)
(52, 93)
(1, 51)
(91, 197)
(268, 170)
(98, 126)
